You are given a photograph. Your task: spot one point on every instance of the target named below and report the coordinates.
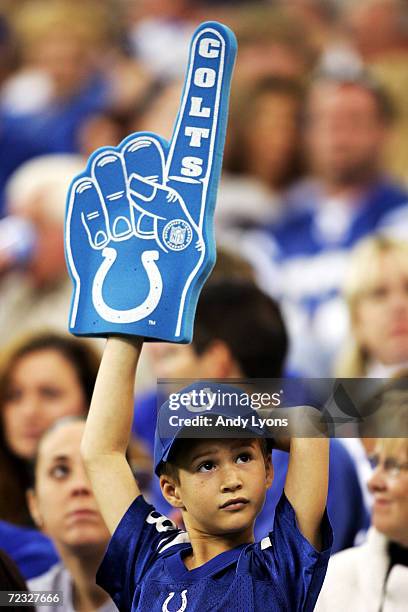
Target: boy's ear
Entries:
(269, 471)
(33, 507)
(170, 491)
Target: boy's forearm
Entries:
(110, 416)
(306, 484)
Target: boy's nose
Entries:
(231, 481)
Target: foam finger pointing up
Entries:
(198, 139)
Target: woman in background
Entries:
(374, 576)
(64, 508)
(42, 378)
(376, 291)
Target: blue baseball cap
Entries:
(204, 410)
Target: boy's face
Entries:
(222, 485)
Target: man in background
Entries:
(302, 258)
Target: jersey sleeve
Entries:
(135, 545)
(290, 561)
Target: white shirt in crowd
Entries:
(59, 579)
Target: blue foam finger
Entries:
(139, 233)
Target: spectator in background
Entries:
(59, 83)
(271, 43)
(63, 506)
(42, 378)
(302, 259)
(376, 292)
(269, 131)
(386, 55)
(374, 576)
(15, 148)
(262, 154)
(73, 68)
(38, 294)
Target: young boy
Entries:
(220, 485)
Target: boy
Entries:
(220, 487)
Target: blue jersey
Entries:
(143, 569)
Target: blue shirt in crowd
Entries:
(32, 551)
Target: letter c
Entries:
(209, 47)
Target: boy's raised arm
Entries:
(307, 479)
(108, 429)
(306, 484)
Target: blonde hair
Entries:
(43, 180)
(361, 277)
(393, 446)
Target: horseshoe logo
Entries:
(137, 313)
(183, 602)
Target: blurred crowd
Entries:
(311, 225)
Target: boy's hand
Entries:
(139, 236)
(303, 422)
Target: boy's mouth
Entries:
(234, 504)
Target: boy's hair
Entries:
(250, 323)
(171, 467)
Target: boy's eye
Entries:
(244, 458)
(207, 466)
